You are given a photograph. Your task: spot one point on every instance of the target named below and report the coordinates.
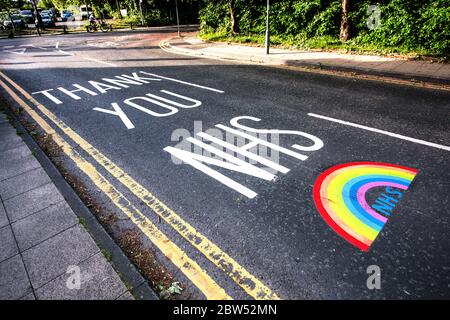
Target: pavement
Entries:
(45, 252)
(136, 125)
(369, 64)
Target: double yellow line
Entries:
(190, 268)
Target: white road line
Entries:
(16, 51)
(85, 58)
(64, 52)
(391, 134)
(100, 61)
(32, 46)
(183, 82)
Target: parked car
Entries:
(19, 22)
(47, 21)
(85, 13)
(49, 13)
(67, 15)
(27, 15)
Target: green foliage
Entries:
(171, 291)
(5, 5)
(406, 25)
(435, 27)
(214, 18)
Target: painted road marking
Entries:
(222, 260)
(233, 162)
(65, 52)
(82, 57)
(183, 82)
(32, 46)
(100, 61)
(190, 268)
(391, 134)
(107, 44)
(120, 82)
(340, 197)
(20, 51)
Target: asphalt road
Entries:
(266, 221)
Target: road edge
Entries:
(127, 271)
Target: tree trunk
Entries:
(345, 28)
(234, 21)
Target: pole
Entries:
(267, 28)
(178, 20)
(12, 22)
(38, 17)
(142, 16)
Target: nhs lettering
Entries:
(242, 142)
(387, 201)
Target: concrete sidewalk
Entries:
(44, 250)
(375, 65)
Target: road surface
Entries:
(285, 224)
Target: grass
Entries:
(121, 24)
(326, 43)
(82, 222)
(107, 255)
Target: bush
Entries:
(435, 27)
(406, 25)
(214, 18)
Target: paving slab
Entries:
(14, 282)
(19, 151)
(8, 246)
(99, 281)
(51, 258)
(44, 224)
(3, 217)
(12, 168)
(10, 139)
(32, 201)
(29, 296)
(40, 236)
(22, 183)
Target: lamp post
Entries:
(178, 20)
(142, 16)
(267, 28)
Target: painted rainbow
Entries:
(340, 197)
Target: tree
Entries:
(233, 17)
(345, 27)
(5, 5)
